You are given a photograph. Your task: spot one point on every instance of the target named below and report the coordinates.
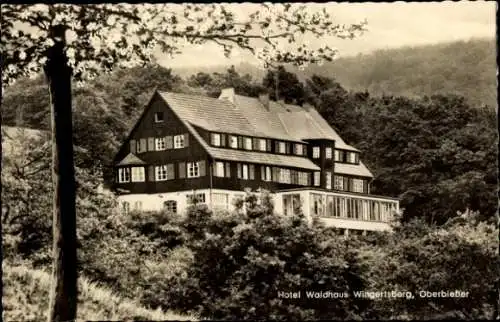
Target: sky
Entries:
(390, 25)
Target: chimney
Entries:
(228, 94)
(264, 99)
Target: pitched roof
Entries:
(353, 169)
(131, 159)
(248, 116)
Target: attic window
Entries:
(159, 117)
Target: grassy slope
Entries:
(25, 297)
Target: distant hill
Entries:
(466, 68)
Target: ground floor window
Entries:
(196, 198)
(138, 206)
(125, 207)
(170, 206)
(317, 204)
(220, 200)
(291, 204)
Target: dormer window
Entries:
(262, 145)
(248, 144)
(299, 149)
(316, 152)
(352, 157)
(159, 117)
(216, 141)
(282, 147)
(233, 141)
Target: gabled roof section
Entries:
(232, 113)
(131, 159)
(353, 169)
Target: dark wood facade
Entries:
(141, 143)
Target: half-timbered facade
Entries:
(187, 148)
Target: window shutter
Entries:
(186, 140)
(295, 176)
(202, 168)
(170, 171)
(251, 170)
(228, 170)
(169, 142)
(182, 170)
(268, 145)
(346, 184)
(151, 144)
(240, 142)
(238, 165)
(151, 173)
(276, 146)
(222, 140)
(262, 173)
(133, 146)
(142, 145)
(288, 148)
(304, 150)
(255, 142)
(308, 179)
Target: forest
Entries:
(437, 153)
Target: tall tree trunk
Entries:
(63, 291)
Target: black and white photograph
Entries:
(249, 161)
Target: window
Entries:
(337, 155)
(328, 153)
(299, 149)
(317, 178)
(285, 176)
(357, 185)
(352, 157)
(160, 144)
(262, 145)
(161, 173)
(159, 117)
(220, 200)
(291, 204)
(233, 141)
(197, 198)
(216, 141)
(282, 147)
(317, 204)
(125, 207)
(328, 180)
(170, 206)
(138, 174)
(248, 144)
(303, 178)
(219, 169)
(193, 169)
(124, 175)
(179, 141)
(138, 205)
(316, 152)
(339, 183)
(266, 173)
(244, 172)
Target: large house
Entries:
(187, 148)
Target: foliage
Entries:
(242, 260)
(25, 299)
(100, 36)
(462, 256)
(213, 84)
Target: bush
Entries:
(242, 261)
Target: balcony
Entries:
(351, 211)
